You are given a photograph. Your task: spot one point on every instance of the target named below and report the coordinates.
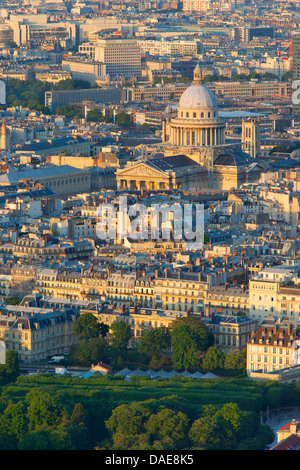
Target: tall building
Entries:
(196, 5)
(250, 137)
(121, 56)
(296, 73)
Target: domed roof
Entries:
(198, 97)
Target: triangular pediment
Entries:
(141, 170)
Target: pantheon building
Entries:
(193, 154)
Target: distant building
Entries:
(291, 442)
(289, 429)
(296, 71)
(62, 180)
(36, 334)
(273, 351)
(88, 70)
(231, 332)
(251, 137)
(106, 95)
(196, 5)
(120, 56)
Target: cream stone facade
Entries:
(194, 152)
(272, 348)
(267, 296)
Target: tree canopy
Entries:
(189, 339)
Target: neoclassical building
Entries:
(197, 123)
(193, 154)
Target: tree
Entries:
(11, 366)
(120, 335)
(8, 442)
(264, 437)
(45, 439)
(95, 116)
(189, 339)
(169, 427)
(206, 433)
(123, 119)
(88, 351)
(78, 415)
(14, 420)
(185, 354)
(77, 429)
(214, 358)
(236, 360)
(44, 411)
(13, 300)
(128, 420)
(154, 341)
(66, 110)
(86, 326)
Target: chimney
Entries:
(166, 273)
(199, 276)
(293, 427)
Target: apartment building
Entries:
(82, 227)
(266, 296)
(181, 293)
(39, 250)
(36, 333)
(139, 318)
(72, 285)
(196, 5)
(227, 299)
(273, 347)
(231, 333)
(120, 286)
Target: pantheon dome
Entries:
(198, 97)
(197, 122)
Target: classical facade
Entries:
(194, 154)
(197, 123)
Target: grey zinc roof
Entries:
(38, 173)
